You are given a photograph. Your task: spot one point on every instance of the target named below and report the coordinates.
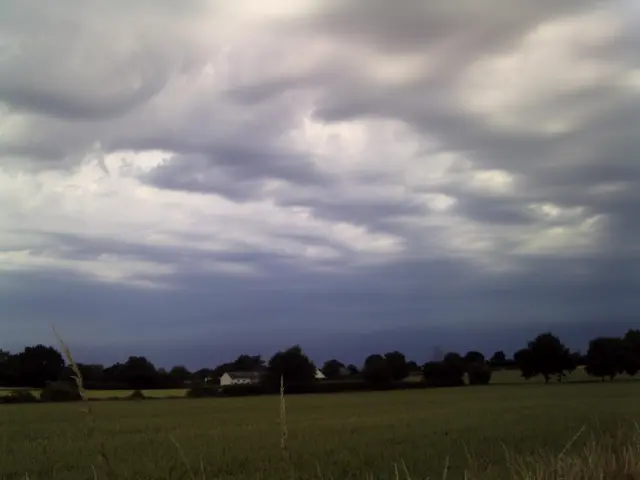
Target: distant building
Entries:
(240, 378)
(250, 378)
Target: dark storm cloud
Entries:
(410, 26)
(233, 171)
(413, 304)
(404, 307)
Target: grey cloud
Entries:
(233, 171)
(410, 26)
(231, 145)
(90, 61)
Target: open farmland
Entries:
(338, 436)
(500, 377)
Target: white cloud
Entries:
(515, 89)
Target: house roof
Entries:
(245, 375)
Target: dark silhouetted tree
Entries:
(333, 369)
(244, 363)
(456, 365)
(479, 373)
(139, 373)
(605, 357)
(35, 366)
(248, 363)
(413, 367)
(444, 373)
(631, 342)
(113, 376)
(179, 376)
(546, 356)
(498, 359)
(397, 362)
(92, 375)
(376, 370)
(204, 375)
(352, 369)
(474, 357)
(5, 377)
(297, 370)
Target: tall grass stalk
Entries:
(88, 410)
(284, 431)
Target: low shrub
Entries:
(60, 392)
(19, 396)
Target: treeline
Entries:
(544, 356)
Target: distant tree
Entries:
(114, 375)
(248, 363)
(631, 342)
(578, 359)
(333, 369)
(445, 373)
(479, 373)
(546, 356)
(498, 359)
(397, 363)
(524, 362)
(293, 365)
(4, 367)
(455, 365)
(474, 357)
(376, 370)
(202, 374)
(139, 373)
(179, 376)
(244, 363)
(413, 367)
(35, 366)
(606, 357)
(91, 374)
(352, 369)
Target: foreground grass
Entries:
(367, 435)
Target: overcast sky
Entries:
(197, 179)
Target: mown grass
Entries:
(487, 431)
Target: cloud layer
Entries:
(170, 171)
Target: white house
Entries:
(240, 378)
(249, 378)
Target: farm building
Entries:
(248, 378)
(240, 378)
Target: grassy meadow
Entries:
(421, 433)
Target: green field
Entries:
(336, 436)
